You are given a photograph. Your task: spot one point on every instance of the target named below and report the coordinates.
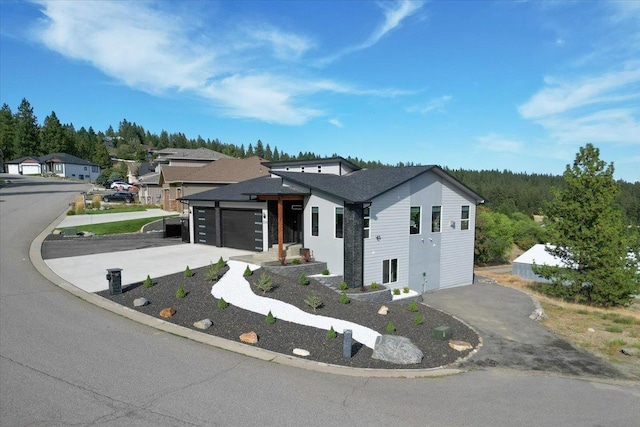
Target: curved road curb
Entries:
(35, 254)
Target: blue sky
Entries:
(478, 85)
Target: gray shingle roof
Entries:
(243, 191)
(62, 157)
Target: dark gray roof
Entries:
(357, 187)
(246, 190)
(326, 160)
(63, 157)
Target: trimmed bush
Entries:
(391, 328)
(213, 272)
(180, 293)
(374, 286)
(343, 286)
(417, 319)
(331, 334)
(148, 282)
(270, 319)
(71, 212)
(96, 201)
(405, 290)
(187, 272)
(247, 272)
(314, 301)
(222, 304)
(303, 279)
(296, 261)
(396, 291)
(221, 263)
(325, 272)
(265, 283)
(344, 299)
(413, 306)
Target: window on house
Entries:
(85, 168)
(339, 222)
(464, 218)
(366, 215)
(390, 270)
(314, 220)
(436, 218)
(57, 167)
(414, 220)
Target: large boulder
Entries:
(396, 349)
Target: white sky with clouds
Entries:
(478, 85)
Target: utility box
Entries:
(114, 276)
(441, 333)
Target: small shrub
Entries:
(344, 298)
(582, 312)
(180, 293)
(222, 304)
(617, 343)
(303, 279)
(615, 329)
(325, 272)
(221, 263)
(148, 282)
(265, 283)
(314, 301)
(391, 328)
(96, 201)
(343, 286)
(71, 212)
(187, 272)
(374, 286)
(413, 306)
(405, 290)
(247, 272)
(396, 291)
(270, 319)
(212, 273)
(80, 210)
(331, 334)
(417, 319)
(296, 261)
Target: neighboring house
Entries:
(180, 181)
(60, 164)
(411, 226)
(149, 189)
(190, 157)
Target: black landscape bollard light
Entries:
(114, 276)
(346, 343)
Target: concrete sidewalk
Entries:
(79, 220)
(88, 272)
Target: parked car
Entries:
(118, 196)
(121, 185)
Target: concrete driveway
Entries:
(512, 340)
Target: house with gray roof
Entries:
(59, 164)
(190, 157)
(410, 226)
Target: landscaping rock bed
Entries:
(283, 337)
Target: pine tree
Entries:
(25, 141)
(588, 235)
(52, 136)
(7, 132)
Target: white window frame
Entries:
(464, 217)
(391, 273)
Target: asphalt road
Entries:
(66, 362)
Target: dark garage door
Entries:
(242, 229)
(204, 226)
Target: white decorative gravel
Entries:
(236, 290)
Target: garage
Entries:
(204, 226)
(242, 229)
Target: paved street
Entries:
(66, 362)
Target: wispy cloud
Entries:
(394, 14)
(249, 70)
(337, 123)
(432, 105)
(498, 143)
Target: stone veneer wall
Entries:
(293, 271)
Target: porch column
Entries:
(280, 226)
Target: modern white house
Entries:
(60, 164)
(410, 226)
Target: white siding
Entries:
(74, 171)
(390, 221)
(325, 246)
(13, 169)
(457, 245)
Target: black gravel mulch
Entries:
(282, 336)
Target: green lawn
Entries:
(118, 209)
(119, 227)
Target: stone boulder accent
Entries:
(167, 312)
(460, 345)
(301, 352)
(139, 302)
(537, 315)
(249, 337)
(631, 351)
(203, 324)
(396, 349)
(383, 310)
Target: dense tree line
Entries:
(505, 192)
